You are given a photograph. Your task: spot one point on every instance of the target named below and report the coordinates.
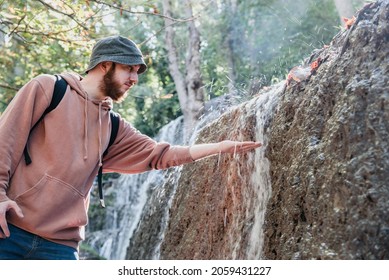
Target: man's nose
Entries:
(134, 77)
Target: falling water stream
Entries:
(260, 177)
(138, 196)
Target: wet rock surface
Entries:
(329, 152)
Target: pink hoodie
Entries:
(66, 148)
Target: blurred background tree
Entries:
(245, 45)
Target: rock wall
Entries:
(329, 152)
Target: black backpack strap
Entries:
(114, 131)
(59, 91)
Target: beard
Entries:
(110, 87)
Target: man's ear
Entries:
(105, 66)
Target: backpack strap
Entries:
(114, 131)
(59, 92)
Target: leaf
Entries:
(349, 21)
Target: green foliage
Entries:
(37, 38)
(312, 30)
(265, 38)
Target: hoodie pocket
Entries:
(54, 209)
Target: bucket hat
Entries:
(117, 49)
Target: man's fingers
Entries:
(4, 231)
(6, 206)
(247, 146)
(238, 147)
(14, 206)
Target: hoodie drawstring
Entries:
(86, 127)
(100, 146)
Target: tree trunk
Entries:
(174, 69)
(195, 92)
(188, 85)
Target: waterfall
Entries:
(266, 104)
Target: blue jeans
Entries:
(23, 245)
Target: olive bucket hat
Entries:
(117, 49)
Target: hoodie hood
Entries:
(73, 80)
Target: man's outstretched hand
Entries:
(199, 151)
(232, 147)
